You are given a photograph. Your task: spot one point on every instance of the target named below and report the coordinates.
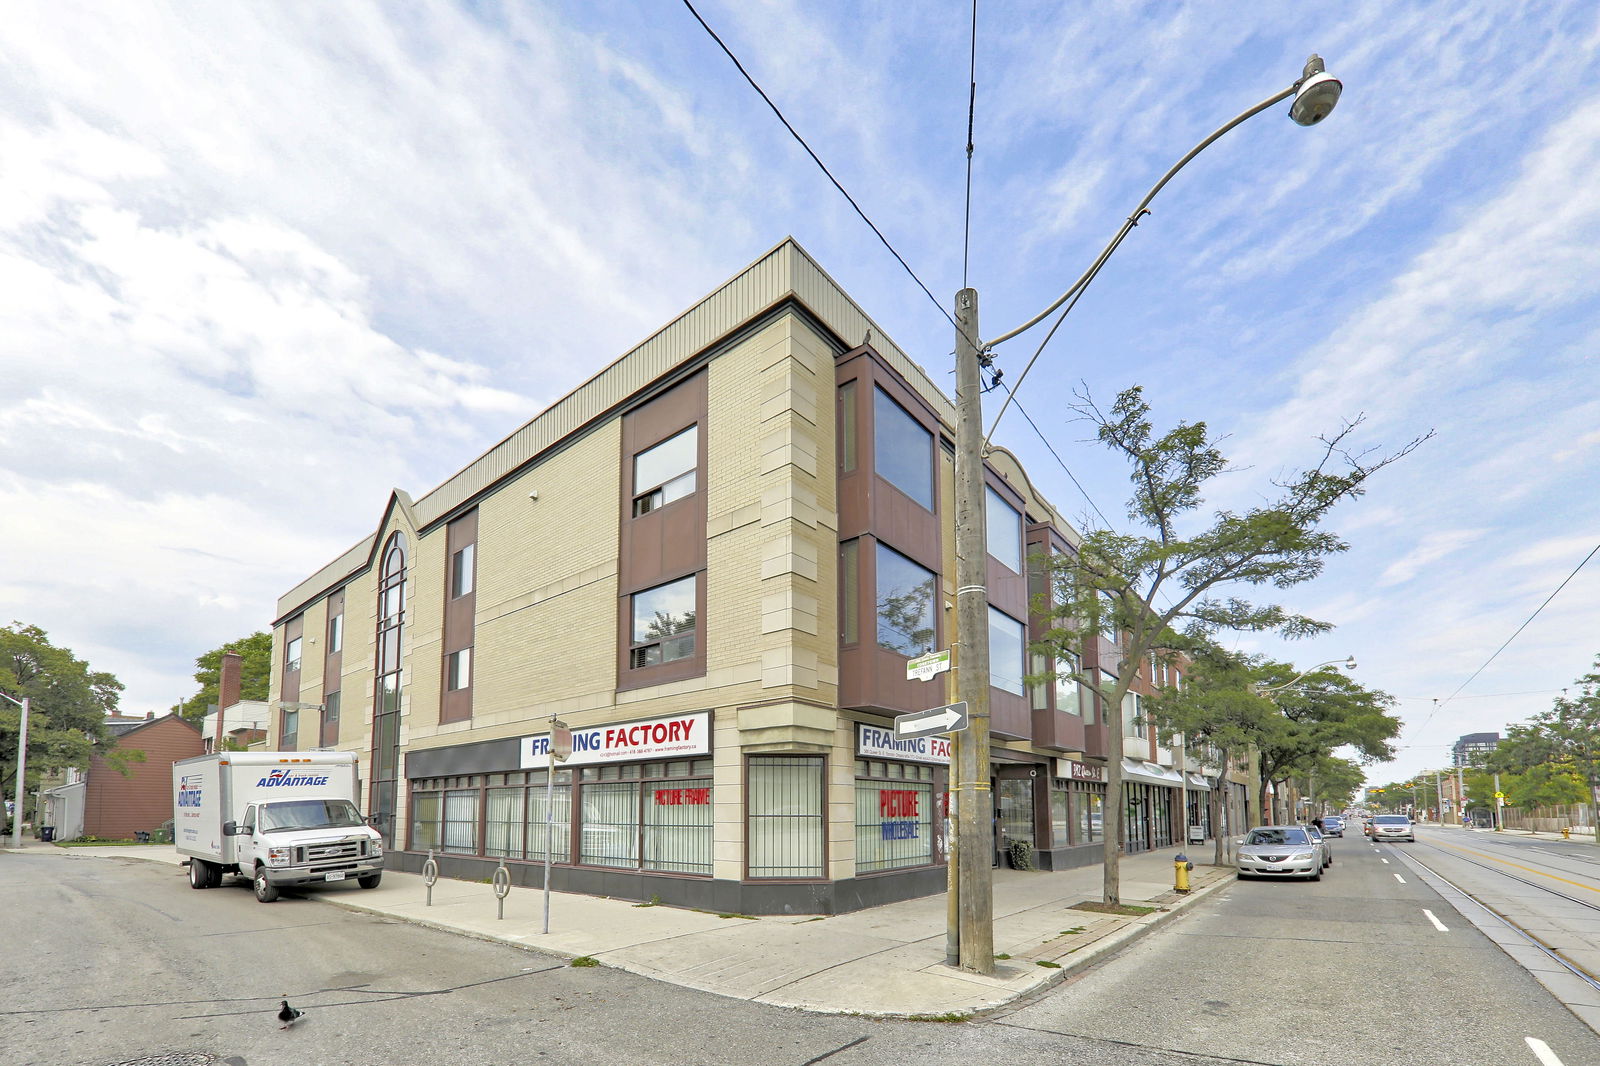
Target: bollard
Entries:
(1180, 872)
(502, 887)
(430, 874)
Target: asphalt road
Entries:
(116, 961)
(1348, 971)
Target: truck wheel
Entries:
(266, 891)
(369, 880)
(199, 873)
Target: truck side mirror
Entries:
(230, 829)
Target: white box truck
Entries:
(279, 818)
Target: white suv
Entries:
(1393, 827)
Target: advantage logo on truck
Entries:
(189, 790)
(290, 778)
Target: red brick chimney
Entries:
(227, 689)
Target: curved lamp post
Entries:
(25, 703)
(970, 935)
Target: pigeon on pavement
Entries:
(289, 1015)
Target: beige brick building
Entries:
(710, 562)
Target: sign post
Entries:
(560, 750)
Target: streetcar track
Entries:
(1532, 938)
(1513, 877)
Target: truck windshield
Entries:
(308, 814)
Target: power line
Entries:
(1592, 552)
(793, 132)
(1051, 448)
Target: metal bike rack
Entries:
(502, 887)
(430, 874)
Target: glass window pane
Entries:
(894, 825)
(461, 822)
(847, 426)
(1058, 817)
(677, 827)
(785, 817)
(458, 669)
(1089, 817)
(664, 611)
(503, 820)
(1068, 691)
(1007, 650)
(425, 807)
(291, 655)
(905, 604)
(675, 456)
(850, 592)
(902, 449)
(560, 820)
(461, 571)
(1004, 530)
(336, 633)
(610, 829)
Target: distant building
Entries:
(106, 803)
(1464, 749)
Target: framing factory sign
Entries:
(679, 736)
(873, 742)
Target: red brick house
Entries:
(106, 804)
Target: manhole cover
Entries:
(172, 1058)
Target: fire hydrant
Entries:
(1180, 872)
(1566, 832)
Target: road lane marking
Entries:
(1437, 924)
(1514, 866)
(1542, 1051)
(1384, 861)
(1402, 880)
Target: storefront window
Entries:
(425, 821)
(560, 807)
(1059, 817)
(677, 826)
(460, 829)
(785, 827)
(610, 830)
(894, 816)
(503, 821)
(1091, 820)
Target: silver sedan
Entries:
(1280, 851)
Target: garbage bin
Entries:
(142, 836)
(47, 833)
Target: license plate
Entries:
(337, 875)
(1270, 869)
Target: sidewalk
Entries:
(886, 961)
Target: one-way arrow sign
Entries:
(951, 718)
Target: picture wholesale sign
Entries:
(679, 736)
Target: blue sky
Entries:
(259, 264)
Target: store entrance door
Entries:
(1016, 815)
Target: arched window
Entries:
(386, 692)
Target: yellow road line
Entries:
(1515, 866)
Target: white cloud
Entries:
(1433, 546)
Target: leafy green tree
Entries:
(1111, 585)
(68, 708)
(255, 669)
(1318, 714)
(1331, 781)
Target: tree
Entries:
(1563, 741)
(1320, 713)
(1332, 781)
(68, 703)
(1109, 587)
(254, 671)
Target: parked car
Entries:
(1321, 842)
(1333, 826)
(1282, 851)
(1393, 827)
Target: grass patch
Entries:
(731, 914)
(951, 1016)
(1002, 956)
(584, 960)
(1075, 930)
(818, 918)
(653, 901)
(1048, 965)
(1126, 909)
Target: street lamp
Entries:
(26, 703)
(970, 938)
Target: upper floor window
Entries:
(290, 736)
(663, 623)
(336, 633)
(1068, 690)
(902, 450)
(461, 571)
(458, 669)
(1007, 652)
(291, 655)
(1004, 530)
(666, 472)
(847, 427)
(905, 604)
